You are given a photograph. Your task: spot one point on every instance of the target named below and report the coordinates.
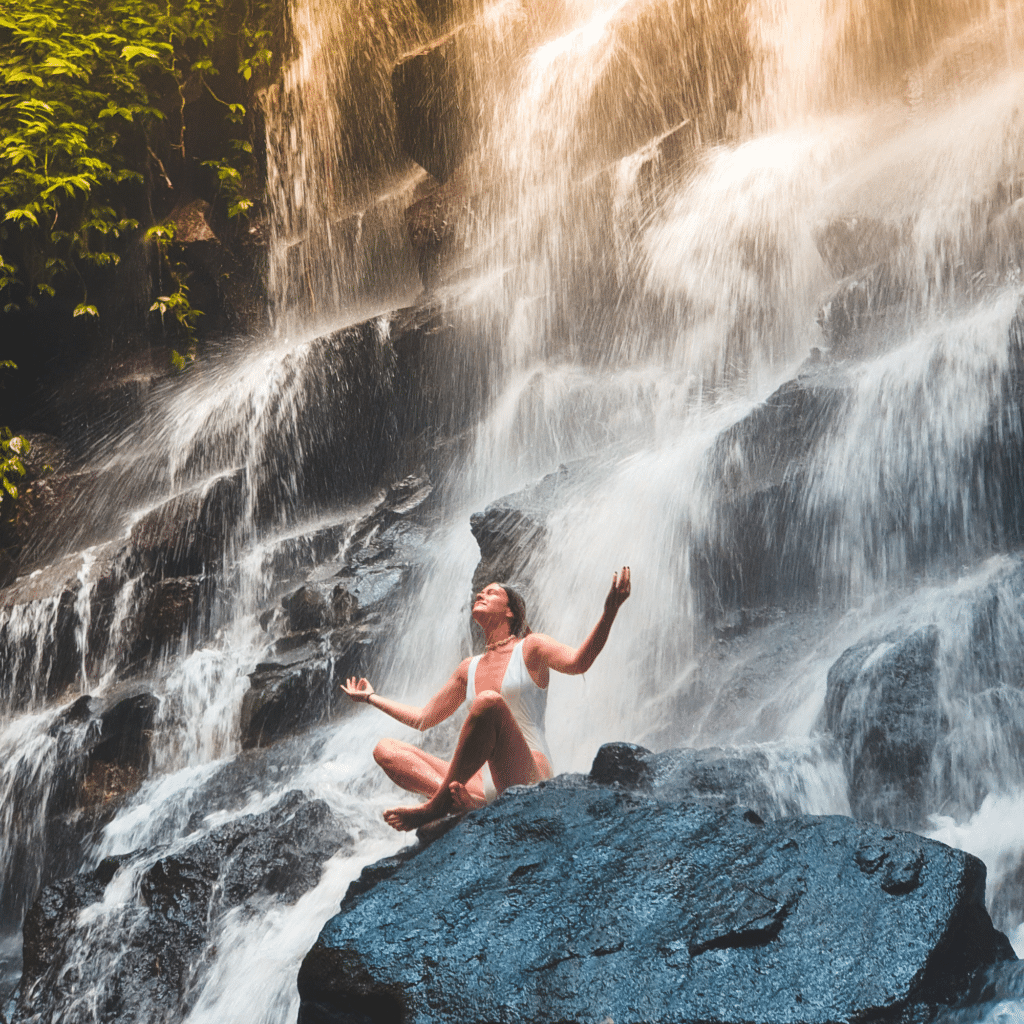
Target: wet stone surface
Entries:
(168, 934)
(882, 705)
(329, 627)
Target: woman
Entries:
(507, 687)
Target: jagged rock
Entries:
(306, 609)
(851, 244)
(858, 302)
(882, 706)
(285, 699)
(437, 102)
(172, 611)
(187, 534)
(562, 904)
(512, 529)
(746, 558)
(39, 658)
(100, 755)
(183, 896)
(334, 626)
(120, 755)
(712, 776)
(436, 225)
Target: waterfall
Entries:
(750, 271)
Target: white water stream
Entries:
(633, 305)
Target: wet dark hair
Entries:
(518, 626)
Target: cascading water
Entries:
(667, 198)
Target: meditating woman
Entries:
(507, 687)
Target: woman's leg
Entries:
(419, 772)
(491, 735)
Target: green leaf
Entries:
(241, 206)
(83, 310)
(22, 215)
(132, 51)
(23, 76)
(60, 66)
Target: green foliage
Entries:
(83, 85)
(12, 448)
(175, 306)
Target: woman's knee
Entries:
(489, 702)
(387, 752)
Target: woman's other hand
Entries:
(359, 690)
(619, 591)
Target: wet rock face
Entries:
(512, 529)
(711, 776)
(329, 627)
(100, 753)
(751, 556)
(438, 116)
(274, 856)
(186, 535)
(566, 904)
(882, 706)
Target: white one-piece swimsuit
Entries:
(525, 699)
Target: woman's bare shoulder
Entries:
(534, 646)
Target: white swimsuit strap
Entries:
(471, 677)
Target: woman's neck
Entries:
(499, 639)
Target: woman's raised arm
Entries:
(442, 705)
(541, 651)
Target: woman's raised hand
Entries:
(358, 689)
(619, 591)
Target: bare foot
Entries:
(405, 819)
(464, 798)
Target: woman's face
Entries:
(491, 605)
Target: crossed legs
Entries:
(490, 735)
(419, 772)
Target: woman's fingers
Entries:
(357, 688)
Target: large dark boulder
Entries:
(558, 904)
(182, 897)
